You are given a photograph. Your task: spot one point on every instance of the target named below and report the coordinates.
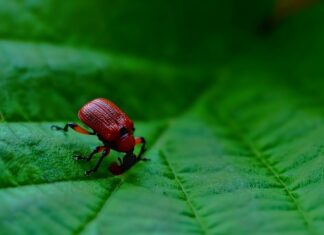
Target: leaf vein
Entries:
(186, 195)
(275, 173)
(102, 204)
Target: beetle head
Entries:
(126, 143)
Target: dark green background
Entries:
(232, 112)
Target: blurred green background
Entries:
(128, 51)
(131, 52)
(165, 52)
(229, 95)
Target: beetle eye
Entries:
(133, 129)
(123, 131)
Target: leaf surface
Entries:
(235, 147)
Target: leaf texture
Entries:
(235, 142)
(260, 161)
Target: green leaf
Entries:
(66, 72)
(253, 156)
(233, 121)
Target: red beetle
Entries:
(114, 128)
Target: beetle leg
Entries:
(141, 140)
(73, 126)
(96, 150)
(103, 155)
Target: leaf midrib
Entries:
(186, 195)
(99, 208)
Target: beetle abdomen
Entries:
(105, 118)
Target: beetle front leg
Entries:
(141, 140)
(73, 126)
(103, 155)
(96, 150)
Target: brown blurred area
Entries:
(283, 9)
(286, 8)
